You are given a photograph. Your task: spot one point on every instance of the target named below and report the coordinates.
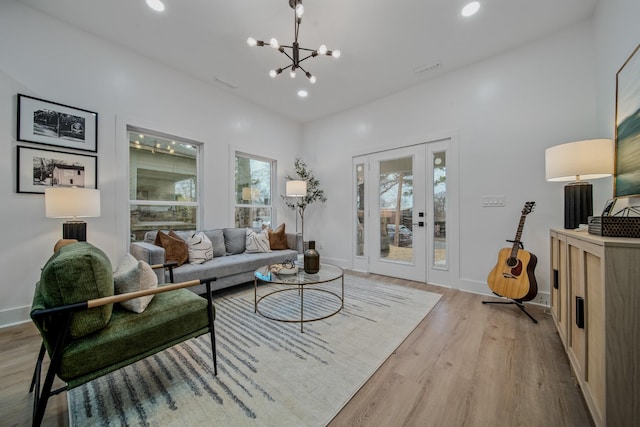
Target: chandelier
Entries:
(294, 56)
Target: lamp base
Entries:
(578, 204)
(75, 230)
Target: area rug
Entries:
(269, 373)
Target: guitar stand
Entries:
(514, 301)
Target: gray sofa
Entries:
(231, 265)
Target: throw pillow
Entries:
(133, 275)
(235, 240)
(257, 242)
(278, 238)
(175, 249)
(217, 240)
(200, 248)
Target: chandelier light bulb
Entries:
(252, 42)
(322, 50)
(336, 54)
(273, 74)
(292, 74)
(312, 79)
(299, 10)
(274, 43)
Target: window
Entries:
(163, 183)
(253, 190)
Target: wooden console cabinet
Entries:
(595, 303)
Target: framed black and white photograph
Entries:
(627, 177)
(40, 168)
(50, 123)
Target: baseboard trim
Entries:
(14, 316)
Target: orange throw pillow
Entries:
(175, 249)
(278, 238)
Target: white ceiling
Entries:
(382, 42)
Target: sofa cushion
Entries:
(278, 238)
(234, 240)
(133, 275)
(200, 248)
(76, 273)
(217, 241)
(175, 248)
(123, 339)
(226, 266)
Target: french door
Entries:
(401, 199)
(396, 234)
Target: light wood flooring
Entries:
(466, 364)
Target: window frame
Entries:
(273, 188)
(198, 203)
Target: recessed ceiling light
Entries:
(471, 8)
(302, 93)
(156, 5)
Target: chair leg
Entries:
(41, 398)
(213, 349)
(210, 312)
(36, 371)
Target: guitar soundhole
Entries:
(512, 262)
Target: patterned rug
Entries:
(269, 373)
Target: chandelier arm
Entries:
(303, 70)
(308, 50)
(306, 57)
(287, 55)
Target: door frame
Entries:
(446, 141)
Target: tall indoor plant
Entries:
(314, 193)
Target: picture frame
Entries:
(627, 129)
(39, 168)
(51, 123)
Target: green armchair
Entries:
(87, 334)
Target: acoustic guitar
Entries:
(513, 276)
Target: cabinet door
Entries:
(577, 337)
(594, 375)
(559, 289)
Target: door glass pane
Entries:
(360, 209)
(440, 209)
(396, 209)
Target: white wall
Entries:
(616, 35)
(44, 58)
(505, 111)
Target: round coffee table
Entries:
(300, 282)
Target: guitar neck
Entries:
(516, 241)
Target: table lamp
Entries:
(577, 161)
(74, 203)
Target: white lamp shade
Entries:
(296, 188)
(71, 202)
(588, 159)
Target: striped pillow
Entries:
(257, 242)
(200, 248)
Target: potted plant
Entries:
(314, 193)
